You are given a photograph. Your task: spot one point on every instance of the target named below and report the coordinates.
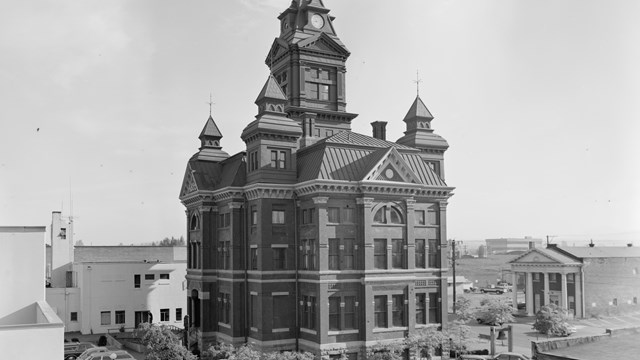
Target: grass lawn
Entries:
(486, 271)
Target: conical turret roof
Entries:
(418, 110)
(271, 90)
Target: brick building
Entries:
(315, 238)
(585, 280)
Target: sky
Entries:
(102, 102)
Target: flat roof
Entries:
(615, 347)
(11, 229)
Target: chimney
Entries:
(591, 244)
(532, 245)
(379, 130)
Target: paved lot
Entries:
(94, 339)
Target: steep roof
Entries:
(349, 156)
(210, 129)
(418, 109)
(271, 90)
(205, 175)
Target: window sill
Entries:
(391, 329)
(280, 330)
(344, 332)
(308, 331)
(224, 325)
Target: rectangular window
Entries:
(120, 317)
(348, 215)
(348, 254)
(224, 309)
(254, 216)
(312, 90)
(324, 92)
(334, 254)
(398, 310)
(571, 278)
(74, 316)
(421, 308)
(149, 276)
(420, 254)
(282, 159)
(323, 74)
(380, 253)
(164, 276)
(105, 318)
(254, 258)
(178, 314)
(536, 276)
(397, 254)
(279, 258)
(304, 215)
(380, 311)
(277, 217)
(334, 313)
(312, 313)
(432, 216)
(136, 281)
(349, 312)
(308, 309)
(317, 132)
(255, 311)
(433, 308)
(334, 214)
(63, 233)
(552, 277)
(164, 314)
(280, 312)
(226, 254)
(420, 219)
(274, 159)
(433, 253)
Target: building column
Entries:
(529, 294)
(546, 288)
(563, 297)
(577, 280)
(514, 289)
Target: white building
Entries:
(97, 289)
(29, 328)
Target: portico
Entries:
(550, 277)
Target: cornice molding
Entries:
(269, 191)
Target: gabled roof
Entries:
(323, 41)
(205, 175)
(418, 110)
(350, 156)
(210, 129)
(540, 255)
(271, 90)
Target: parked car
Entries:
(492, 290)
(86, 353)
(73, 350)
(110, 355)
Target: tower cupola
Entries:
(210, 148)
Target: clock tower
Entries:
(308, 62)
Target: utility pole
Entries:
(453, 266)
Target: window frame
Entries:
(137, 280)
(421, 308)
(104, 322)
(380, 313)
(165, 315)
(420, 254)
(120, 317)
(380, 253)
(278, 216)
(178, 314)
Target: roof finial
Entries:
(417, 81)
(210, 103)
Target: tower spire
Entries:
(210, 103)
(417, 81)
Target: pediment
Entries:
(323, 43)
(278, 48)
(392, 167)
(535, 256)
(189, 184)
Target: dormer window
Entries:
(278, 159)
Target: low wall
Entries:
(539, 348)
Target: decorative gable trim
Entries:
(392, 167)
(188, 183)
(323, 43)
(536, 256)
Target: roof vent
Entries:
(591, 244)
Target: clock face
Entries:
(317, 21)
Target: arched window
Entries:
(388, 215)
(394, 216)
(194, 224)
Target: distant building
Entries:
(29, 328)
(510, 245)
(315, 238)
(482, 251)
(586, 280)
(103, 288)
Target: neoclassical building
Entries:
(315, 237)
(587, 281)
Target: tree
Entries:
(552, 320)
(497, 312)
(426, 340)
(162, 343)
(464, 312)
(386, 352)
(224, 351)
